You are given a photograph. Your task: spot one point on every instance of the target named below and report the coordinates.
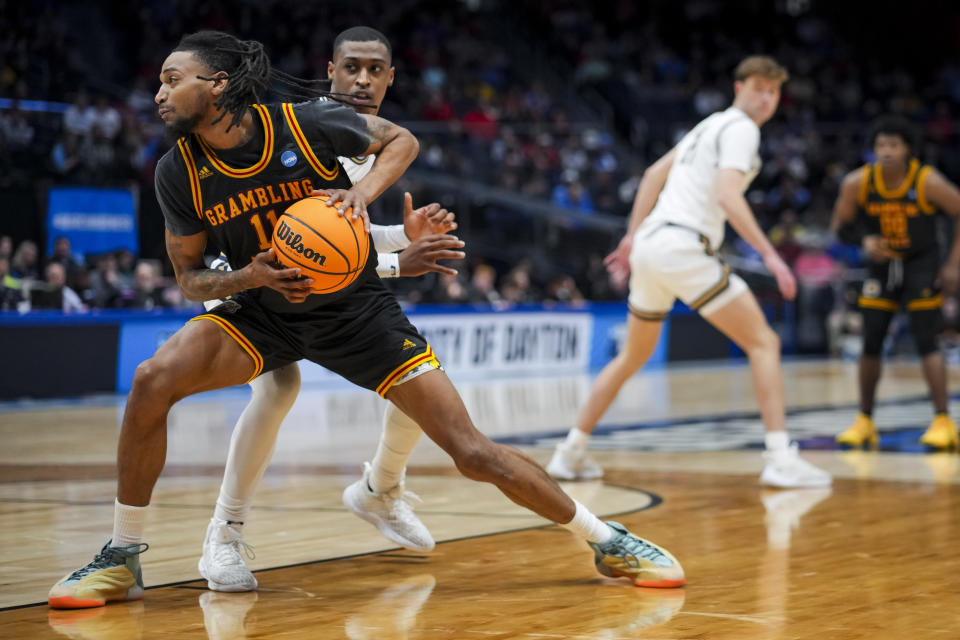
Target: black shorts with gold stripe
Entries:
(364, 337)
(908, 284)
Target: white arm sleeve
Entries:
(389, 239)
(738, 144)
(388, 265)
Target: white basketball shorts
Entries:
(669, 262)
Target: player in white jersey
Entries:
(360, 70)
(677, 223)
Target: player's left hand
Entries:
(430, 220)
(949, 277)
(785, 280)
(348, 199)
(422, 255)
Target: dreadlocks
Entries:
(249, 72)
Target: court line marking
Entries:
(655, 501)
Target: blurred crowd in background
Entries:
(536, 121)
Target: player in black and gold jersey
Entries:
(892, 206)
(258, 157)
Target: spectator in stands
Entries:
(482, 283)
(106, 118)
(147, 292)
(63, 256)
(571, 194)
(54, 293)
(105, 290)
(16, 129)
(79, 117)
(24, 265)
(126, 268)
(480, 122)
(6, 247)
(562, 288)
(785, 235)
(65, 157)
(10, 293)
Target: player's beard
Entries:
(183, 126)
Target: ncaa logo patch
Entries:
(871, 288)
(288, 158)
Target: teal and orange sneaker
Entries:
(113, 575)
(646, 564)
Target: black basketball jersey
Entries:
(236, 196)
(901, 214)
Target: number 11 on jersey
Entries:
(264, 233)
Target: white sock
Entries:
(776, 441)
(253, 440)
(586, 525)
(577, 439)
(127, 524)
(399, 437)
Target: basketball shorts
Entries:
(670, 262)
(908, 284)
(364, 337)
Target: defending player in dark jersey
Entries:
(892, 206)
(209, 83)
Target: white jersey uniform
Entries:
(725, 140)
(673, 249)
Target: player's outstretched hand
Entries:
(618, 262)
(422, 255)
(348, 199)
(877, 248)
(264, 272)
(785, 280)
(949, 277)
(426, 221)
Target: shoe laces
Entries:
(230, 552)
(631, 549)
(398, 500)
(108, 557)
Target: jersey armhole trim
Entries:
(864, 185)
(326, 174)
(193, 176)
(925, 205)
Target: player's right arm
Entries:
(651, 184)
(199, 283)
(186, 238)
(844, 223)
(730, 187)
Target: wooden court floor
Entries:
(873, 557)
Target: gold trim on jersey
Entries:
(649, 316)
(878, 303)
(922, 201)
(241, 339)
(194, 178)
(902, 189)
(864, 185)
(426, 357)
(926, 304)
(304, 144)
(264, 158)
(713, 291)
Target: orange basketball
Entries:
(330, 248)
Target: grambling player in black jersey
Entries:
(256, 158)
(892, 207)
(362, 69)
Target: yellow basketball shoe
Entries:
(942, 433)
(646, 564)
(113, 575)
(863, 430)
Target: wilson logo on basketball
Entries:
(295, 241)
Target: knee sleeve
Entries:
(925, 325)
(875, 326)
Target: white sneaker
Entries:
(222, 563)
(390, 512)
(787, 470)
(568, 463)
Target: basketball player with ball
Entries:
(220, 184)
(361, 70)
